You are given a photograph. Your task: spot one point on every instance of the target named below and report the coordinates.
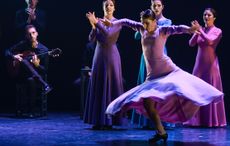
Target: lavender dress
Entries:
(178, 94)
(137, 118)
(106, 80)
(207, 68)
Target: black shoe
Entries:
(46, 90)
(158, 137)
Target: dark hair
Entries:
(148, 14)
(27, 27)
(212, 10)
(107, 0)
(162, 1)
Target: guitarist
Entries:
(26, 64)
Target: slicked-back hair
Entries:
(148, 14)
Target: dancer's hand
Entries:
(32, 15)
(195, 28)
(106, 22)
(92, 19)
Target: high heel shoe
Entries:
(158, 137)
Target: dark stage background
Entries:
(68, 29)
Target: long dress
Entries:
(106, 79)
(207, 68)
(137, 118)
(177, 94)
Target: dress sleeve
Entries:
(92, 35)
(167, 22)
(100, 27)
(137, 26)
(137, 35)
(175, 29)
(213, 37)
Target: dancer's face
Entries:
(157, 7)
(149, 24)
(208, 17)
(108, 7)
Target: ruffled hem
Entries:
(177, 95)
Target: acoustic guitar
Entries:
(13, 65)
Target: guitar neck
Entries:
(40, 54)
(54, 53)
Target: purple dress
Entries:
(207, 68)
(106, 79)
(177, 94)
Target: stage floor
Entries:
(67, 129)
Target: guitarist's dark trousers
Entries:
(27, 70)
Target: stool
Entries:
(30, 102)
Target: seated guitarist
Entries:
(30, 60)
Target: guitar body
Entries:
(14, 66)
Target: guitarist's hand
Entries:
(18, 57)
(35, 60)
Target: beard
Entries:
(34, 44)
